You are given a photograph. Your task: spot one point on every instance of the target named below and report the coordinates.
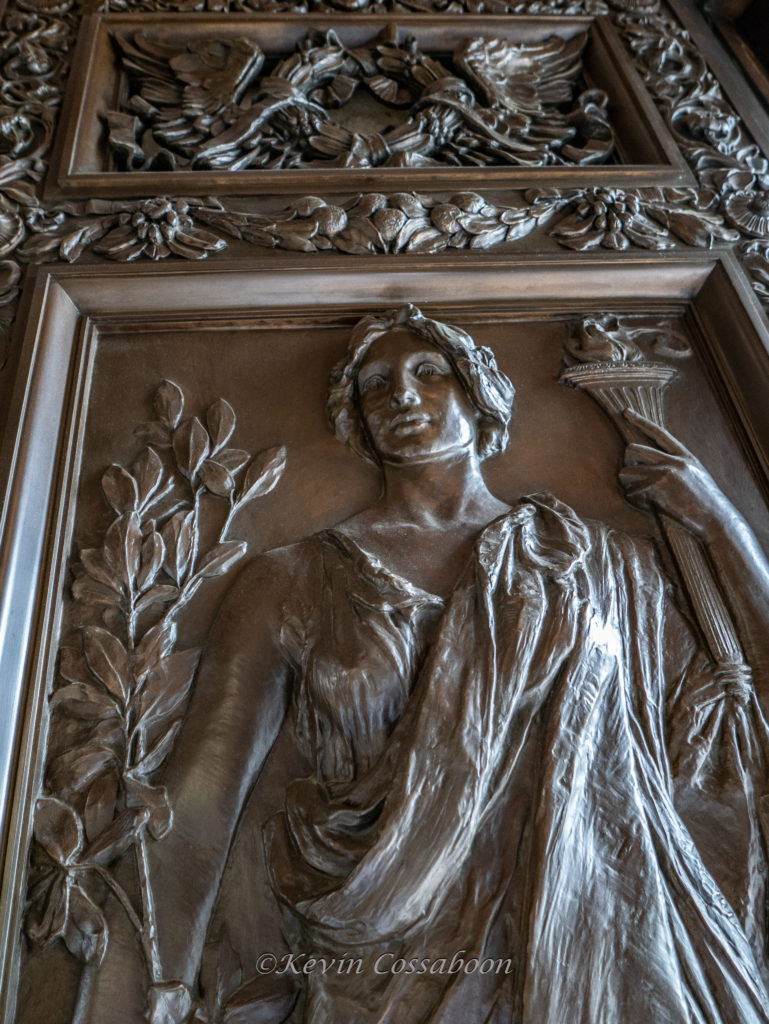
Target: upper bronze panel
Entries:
(263, 105)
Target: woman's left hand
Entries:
(665, 476)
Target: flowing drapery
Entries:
(523, 805)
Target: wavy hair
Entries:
(489, 390)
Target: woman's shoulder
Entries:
(283, 570)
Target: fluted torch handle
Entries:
(713, 616)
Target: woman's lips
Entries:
(409, 421)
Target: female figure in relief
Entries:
(503, 718)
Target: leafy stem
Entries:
(123, 687)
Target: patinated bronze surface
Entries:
(462, 719)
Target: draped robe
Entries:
(498, 776)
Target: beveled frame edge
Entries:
(63, 180)
(70, 305)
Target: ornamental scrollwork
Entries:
(219, 104)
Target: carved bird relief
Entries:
(210, 104)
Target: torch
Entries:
(607, 363)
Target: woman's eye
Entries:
(427, 370)
(372, 384)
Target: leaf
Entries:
(427, 240)
(353, 242)
(39, 248)
(520, 228)
(74, 770)
(178, 536)
(157, 595)
(263, 474)
(232, 459)
(100, 804)
(220, 420)
(293, 241)
(92, 560)
(699, 229)
(23, 192)
(47, 920)
(488, 239)
(84, 701)
(154, 433)
(72, 665)
(117, 837)
(408, 203)
(58, 829)
(220, 558)
(86, 933)
(74, 244)
(475, 224)
(409, 229)
(90, 592)
(217, 478)
(108, 660)
(153, 646)
(152, 554)
(148, 473)
(155, 800)
(122, 548)
(190, 445)
(167, 686)
(169, 404)
(159, 752)
(120, 489)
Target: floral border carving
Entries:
(401, 222)
(731, 206)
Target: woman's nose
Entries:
(403, 395)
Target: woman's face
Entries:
(411, 403)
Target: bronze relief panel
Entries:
(524, 713)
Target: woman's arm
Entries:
(665, 476)
(237, 708)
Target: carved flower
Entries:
(157, 228)
(749, 210)
(609, 218)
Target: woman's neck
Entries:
(441, 494)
